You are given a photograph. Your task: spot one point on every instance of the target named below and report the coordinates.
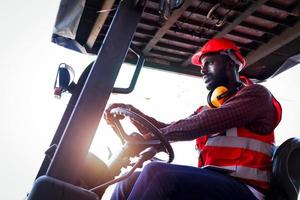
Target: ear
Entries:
(231, 64)
(232, 71)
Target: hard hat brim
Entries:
(196, 59)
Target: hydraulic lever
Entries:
(144, 156)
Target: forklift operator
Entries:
(234, 134)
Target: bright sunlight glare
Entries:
(30, 114)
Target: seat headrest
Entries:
(286, 168)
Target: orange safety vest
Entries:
(241, 153)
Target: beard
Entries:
(214, 81)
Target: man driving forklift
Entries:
(234, 134)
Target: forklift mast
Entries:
(79, 124)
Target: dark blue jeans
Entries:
(167, 181)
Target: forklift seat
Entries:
(285, 180)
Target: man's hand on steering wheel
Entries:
(151, 135)
(110, 118)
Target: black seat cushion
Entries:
(285, 180)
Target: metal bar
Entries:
(241, 17)
(204, 37)
(141, 41)
(275, 43)
(106, 7)
(145, 32)
(234, 23)
(172, 19)
(149, 23)
(255, 14)
(139, 65)
(256, 39)
(279, 7)
(182, 40)
(258, 28)
(296, 9)
(87, 113)
(268, 18)
(271, 4)
(208, 27)
(230, 20)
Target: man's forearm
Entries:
(240, 110)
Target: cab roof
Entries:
(267, 32)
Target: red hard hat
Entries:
(223, 46)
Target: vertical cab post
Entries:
(80, 129)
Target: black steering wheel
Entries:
(119, 113)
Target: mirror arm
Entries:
(139, 65)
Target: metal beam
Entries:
(162, 31)
(241, 18)
(234, 23)
(271, 19)
(140, 35)
(208, 27)
(84, 120)
(296, 9)
(231, 20)
(103, 14)
(275, 43)
(258, 28)
(279, 7)
(255, 14)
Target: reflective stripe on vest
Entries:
(249, 173)
(239, 142)
(247, 158)
(231, 132)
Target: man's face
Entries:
(214, 70)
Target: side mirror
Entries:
(64, 80)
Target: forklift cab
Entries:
(161, 35)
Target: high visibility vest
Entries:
(240, 153)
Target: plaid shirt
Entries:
(251, 107)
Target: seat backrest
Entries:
(285, 180)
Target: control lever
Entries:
(147, 154)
